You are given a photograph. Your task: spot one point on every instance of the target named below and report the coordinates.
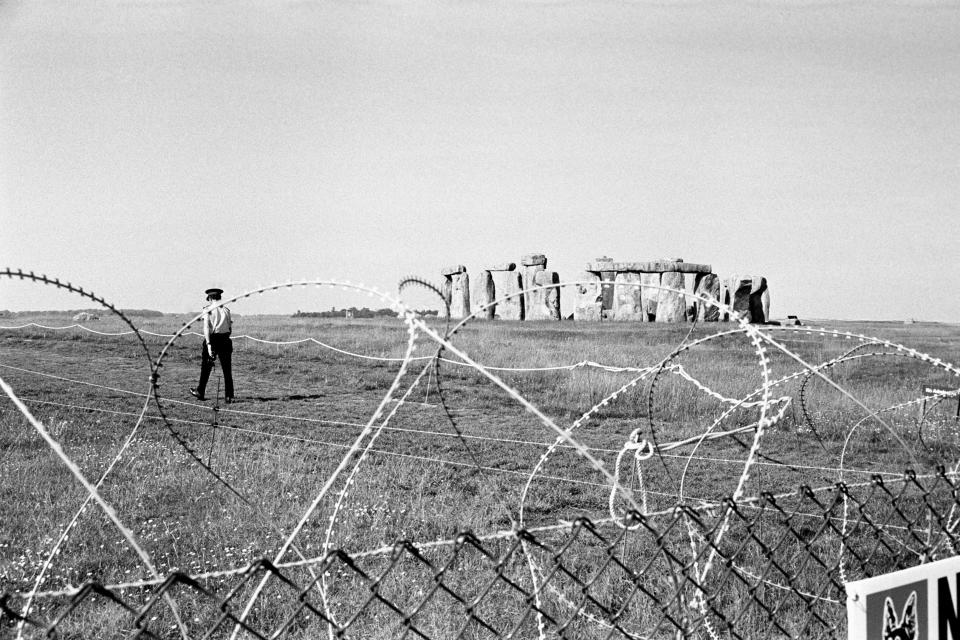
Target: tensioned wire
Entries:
(92, 489)
(678, 370)
(303, 340)
(824, 332)
(764, 403)
(747, 502)
(664, 447)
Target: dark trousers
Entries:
(223, 349)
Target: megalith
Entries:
(726, 299)
(546, 305)
(446, 288)
(750, 298)
(604, 266)
(689, 301)
(628, 302)
(740, 295)
(456, 291)
(649, 294)
(484, 294)
(670, 302)
(588, 305)
(759, 300)
(510, 303)
(708, 286)
(739, 288)
(531, 263)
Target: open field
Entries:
(207, 488)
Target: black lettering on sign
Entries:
(948, 605)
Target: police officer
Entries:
(217, 325)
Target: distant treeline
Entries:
(353, 312)
(150, 313)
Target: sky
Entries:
(150, 149)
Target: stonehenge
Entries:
(606, 275)
(648, 294)
(484, 295)
(662, 291)
(531, 264)
(635, 293)
(627, 303)
(496, 293)
(707, 286)
(546, 302)
(507, 285)
(671, 303)
(589, 298)
(750, 297)
(456, 291)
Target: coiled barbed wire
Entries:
(771, 411)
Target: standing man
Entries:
(216, 344)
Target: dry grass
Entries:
(302, 405)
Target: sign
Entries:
(920, 603)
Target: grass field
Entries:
(435, 469)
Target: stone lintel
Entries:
(453, 270)
(503, 266)
(657, 266)
(533, 259)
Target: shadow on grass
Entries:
(281, 398)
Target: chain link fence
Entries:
(767, 565)
(774, 566)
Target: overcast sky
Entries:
(150, 149)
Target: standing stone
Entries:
(758, 287)
(708, 286)
(608, 278)
(507, 285)
(460, 295)
(552, 300)
(628, 302)
(446, 288)
(484, 294)
(750, 298)
(533, 301)
(740, 288)
(690, 303)
(649, 294)
(547, 301)
(588, 306)
(725, 299)
(531, 263)
(604, 266)
(670, 304)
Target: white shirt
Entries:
(216, 320)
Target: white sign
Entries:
(920, 603)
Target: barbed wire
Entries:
(686, 565)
